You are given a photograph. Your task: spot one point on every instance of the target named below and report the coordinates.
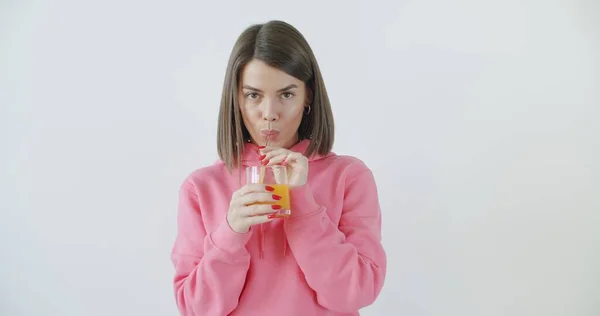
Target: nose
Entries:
(270, 111)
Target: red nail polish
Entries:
(261, 147)
(266, 162)
(276, 207)
(262, 157)
(276, 197)
(269, 188)
(271, 216)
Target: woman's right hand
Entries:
(243, 210)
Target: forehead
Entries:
(262, 76)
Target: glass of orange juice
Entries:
(276, 177)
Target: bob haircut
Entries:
(279, 45)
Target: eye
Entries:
(252, 95)
(287, 95)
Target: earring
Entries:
(307, 112)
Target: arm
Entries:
(210, 269)
(344, 265)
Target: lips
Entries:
(269, 134)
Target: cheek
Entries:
(295, 115)
(247, 117)
(249, 112)
(300, 114)
(294, 109)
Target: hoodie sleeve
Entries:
(344, 264)
(210, 268)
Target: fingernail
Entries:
(276, 207)
(276, 197)
(269, 188)
(262, 157)
(266, 162)
(261, 147)
(271, 216)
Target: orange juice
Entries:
(283, 191)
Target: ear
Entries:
(309, 94)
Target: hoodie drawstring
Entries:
(262, 242)
(285, 244)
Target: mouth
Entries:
(269, 134)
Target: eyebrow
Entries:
(288, 87)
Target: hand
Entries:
(243, 210)
(296, 163)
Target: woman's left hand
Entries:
(296, 163)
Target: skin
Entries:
(270, 100)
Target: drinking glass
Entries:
(276, 177)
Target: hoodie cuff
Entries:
(229, 241)
(303, 202)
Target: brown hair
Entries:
(282, 46)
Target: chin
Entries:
(278, 142)
(287, 143)
(273, 143)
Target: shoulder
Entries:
(349, 166)
(204, 176)
(347, 174)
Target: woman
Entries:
(235, 258)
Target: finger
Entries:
(290, 159)
(253, 198)
(278, 159)
(257, 210)
(275, 153)
(252, 188)
(268, 149)
(254, 220)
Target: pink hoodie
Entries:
(325, 259)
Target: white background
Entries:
(479, 119)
